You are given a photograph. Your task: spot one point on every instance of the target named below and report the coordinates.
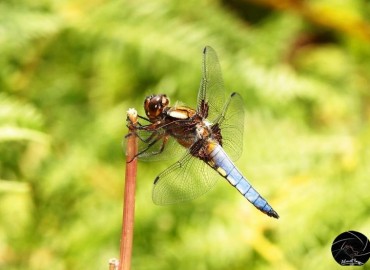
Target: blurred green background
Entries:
(69, 70)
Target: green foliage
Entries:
(71, 69)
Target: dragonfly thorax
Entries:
(203, 130)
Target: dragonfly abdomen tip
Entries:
(273, 214)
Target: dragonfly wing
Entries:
(212, 90)
(231, 122)
(230, 115)
(185, 180)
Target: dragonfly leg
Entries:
(138, 125)
(144, 118)
(164, 141)
(150, 128)
(146, 140)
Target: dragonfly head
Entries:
(154, 106)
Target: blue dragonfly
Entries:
(209, 138)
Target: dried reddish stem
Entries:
(129, 195)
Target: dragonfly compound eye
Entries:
(154, 105)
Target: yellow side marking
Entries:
(221, 171)
(210, 147)
(179, 115)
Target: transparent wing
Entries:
(212, 90)
(231, 122)
(185, 180)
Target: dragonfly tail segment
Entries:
(225, 167)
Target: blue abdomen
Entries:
(224, 166)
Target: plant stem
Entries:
(129, 195)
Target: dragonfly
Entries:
(207, 141)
